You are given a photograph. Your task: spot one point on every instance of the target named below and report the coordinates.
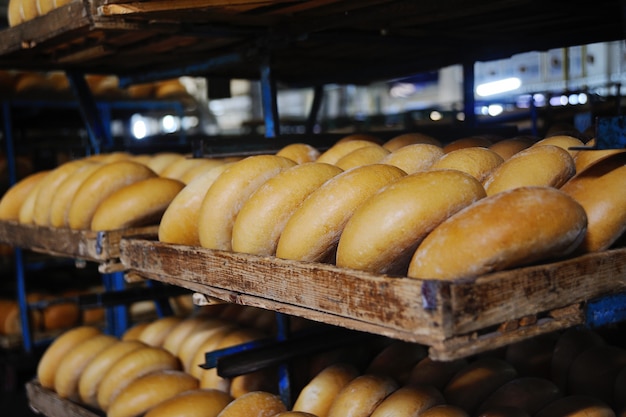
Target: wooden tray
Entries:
(88, 245)
(49, 404)
(454, 318)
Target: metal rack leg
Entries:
(469, 101)
(89, 110)
(116, 317)
(163, 306)
(284, 375)
(269, 101)
(318, 96)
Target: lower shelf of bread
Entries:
(48, 403)
(454, 318)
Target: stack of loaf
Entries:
(103, 192)
(409, 206)
(576, 372)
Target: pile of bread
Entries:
(154, 370)
(101, 192)
(55, 85)
(409, 206)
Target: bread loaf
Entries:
(263, 216)
(60, 347)
(300, 153)
(192, 403)
(584, 159)
(177, 169)
(504, 411)
(342, 148)
(135, 364)
(312, 232)
(179, 332)
(72, 365)
(564, 142)
(318, 395)
(468, 142)
(545, 165)
(576, 406)
(361, 396)
(595, 371)
(414, 158)
(160, 161)
(508, 147)
(435, 373)
(15, 196)
(527, 393)
(409, 401)
(227, 194)
(138, 204)
(407, 139)
(476, 161)
(384, 231)
(366, 155)
(569, 345)
(396, 360)
(201, 169)
(199, 340)
(14, 12)
(91, 376)
(48, 189)
(599, 189)
(103, 182)
(133, 332)
(472, 385)
(150, 390)
(445, 410)
(179, 223)
(254, 404)
(506, 230)
(155, 333)
(60, 204)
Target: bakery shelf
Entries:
(454, 318)
(86, 245)
(306, 41)
(48, 403)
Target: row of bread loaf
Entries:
(409, 206)
(101, 192)
(55, 84)
(150, 370)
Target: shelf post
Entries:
(116, 317)
(20, 275)
(88, 110)
(269, 101)
(318, 95)
(469, 100)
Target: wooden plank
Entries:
(506, 295)
(318, 291)
(165, 5)
(84, 244)
(49, 404)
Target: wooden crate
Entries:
(454, 318)
(49, 404)
(97, 246)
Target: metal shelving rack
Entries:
(306, 43)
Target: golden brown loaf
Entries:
(342, 148)
(60, 205)
(263, 216)
(372, 154)
(384, 231)
(565, 142)
(254, 404)
(312, 232)
(577, 406)
(318, 395)
(506, 230)
(192, 403)
(508, 147)
(407, 139)
(545, 165)
(99, 185)
(155, 333)
(527, 393)
(149, 390)
(15, 196)
(60, 347)
(409, 400)
(361, 396)
(300, 153)
(414, 158)
(600, 190)
(231, 189)
(179, 223)
(476, 161)
(468, 142)
(91, 376)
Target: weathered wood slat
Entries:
(83, 244)
(455, 318)
(49, 404)
(165, 5)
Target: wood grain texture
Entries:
(456, 318)
(49, 404)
